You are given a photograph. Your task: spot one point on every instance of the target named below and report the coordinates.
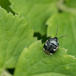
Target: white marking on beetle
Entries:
(54, 42)
(54, 49)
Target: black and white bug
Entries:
(51, 45)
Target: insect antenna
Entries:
(62, 36)
(56, 31)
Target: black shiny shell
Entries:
(51, 45)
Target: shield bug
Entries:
(51, 45)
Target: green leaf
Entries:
(50, 74)
(3, 42)
(36, 12)
(70, 3)
(66, 23)
(6, 5)
(34, 61)
(15, 34)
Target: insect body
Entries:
(51, 45)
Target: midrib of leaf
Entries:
(73, 30)
(50, 74)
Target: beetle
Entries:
(52, 44)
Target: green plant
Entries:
(22, 51)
